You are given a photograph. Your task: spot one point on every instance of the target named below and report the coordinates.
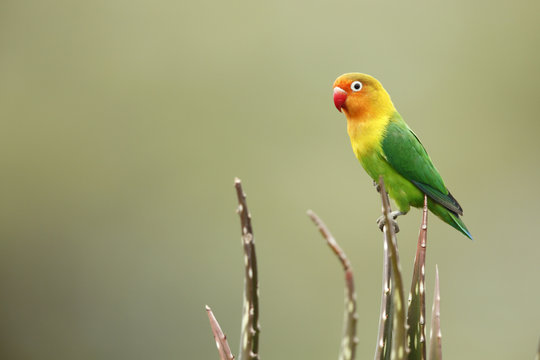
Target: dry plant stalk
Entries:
(349, 339)
(249, 338)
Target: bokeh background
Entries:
(124, 123)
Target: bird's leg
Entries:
(381, 221)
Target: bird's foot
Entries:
(381, 221)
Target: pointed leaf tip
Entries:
(221, 340)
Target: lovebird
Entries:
(385, 145)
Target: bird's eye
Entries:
(356, 86)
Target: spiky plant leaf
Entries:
(399, 338)
(249, 337)
(435, 346)
(220, 338)
(416, 313)
(349, 339)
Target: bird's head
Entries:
(361, 96)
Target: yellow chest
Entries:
(366, 136)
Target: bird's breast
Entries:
(366, 136)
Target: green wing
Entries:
(406, 154)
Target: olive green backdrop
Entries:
(124, 123)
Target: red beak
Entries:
(340, 96)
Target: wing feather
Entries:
(406, 154)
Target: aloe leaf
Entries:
(399, 339)
(349, 339)
(416, 315)
(221, 340)
(249, 337)
(435, 347)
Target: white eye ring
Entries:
(356, 86)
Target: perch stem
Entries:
(399, 340)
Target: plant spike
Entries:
(435, 348)
(349, 339)
(416, 314)
(249, 337)
(221, 340)
(399, 339)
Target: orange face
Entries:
(359, 95)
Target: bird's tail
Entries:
(457, 223)
(450, 218)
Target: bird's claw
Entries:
(377, 187)
(381, 221)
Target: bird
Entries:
(386, 146)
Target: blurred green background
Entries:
(124, 124)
